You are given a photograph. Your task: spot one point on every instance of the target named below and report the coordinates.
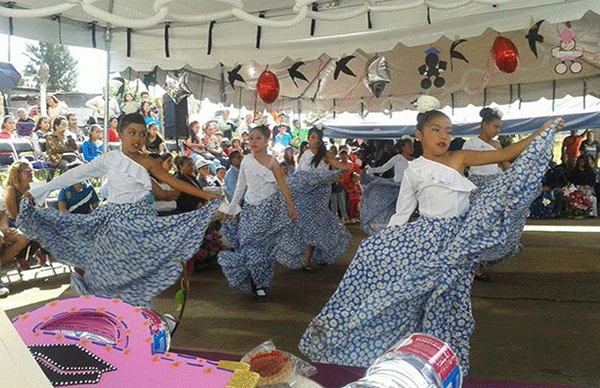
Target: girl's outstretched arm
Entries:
(477, 158)
(284, 188)
(156, 169)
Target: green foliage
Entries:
(180, 298)
(63, 67)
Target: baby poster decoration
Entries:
(106, 343)
(568, 54)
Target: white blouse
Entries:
(400, 164)
(439, 190)
(256, 181)
(305, 159)
(476, 144)
(127, 180)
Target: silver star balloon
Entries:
(177, 88)
(378, 76)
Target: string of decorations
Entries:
(303, 9)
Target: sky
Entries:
(91, 62)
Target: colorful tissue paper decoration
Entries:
(267, 86)
(506, 55)
(107, 343)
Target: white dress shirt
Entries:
(439, 190)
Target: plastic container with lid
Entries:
(417, 361)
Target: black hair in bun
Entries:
(424, 117)
(488, 115)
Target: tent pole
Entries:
(107, 38)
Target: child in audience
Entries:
(154, 143)
(80, 198)
(125, 249)
(90, 148)
(354, 193)
(220, 176)
(416, 277)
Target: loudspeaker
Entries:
(176, 118)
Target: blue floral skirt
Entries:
(266, 234)
(126, 250)
(417, 277)
(316, 226)
(253, 239)
(519, 217)
(378, 202)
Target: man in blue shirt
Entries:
(231, 177)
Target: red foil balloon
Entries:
(267, 86)
(506, 55)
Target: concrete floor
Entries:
(537, 321)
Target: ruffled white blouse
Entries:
(476, 144)
(305, 159)
(127, 180)
(439, 190)
(255, 183)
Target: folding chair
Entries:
(7, 154)
(25, 149)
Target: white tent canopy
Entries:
(400, 29)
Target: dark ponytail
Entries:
(322, 151)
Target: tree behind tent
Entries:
(63, 67)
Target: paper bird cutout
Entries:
(121, 89)
(150, 78)
(294, 73)
(456, 54)
(342, 66)
(533, 36)
(234, 76)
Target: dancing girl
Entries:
(378, 202)
(324, 239)
(125, 250)
(481, 176)
(266, 212)
(416, 277)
